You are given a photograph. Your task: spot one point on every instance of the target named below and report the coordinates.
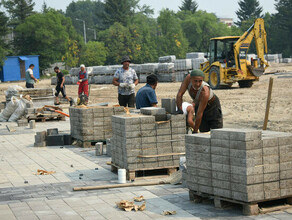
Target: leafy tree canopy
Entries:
(189, 5)
(248, 10)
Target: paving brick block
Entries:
(273, 194)
(55, 140)
(285, 184)
(178, 118)
(271, 168)
(249, 189)
(205, 189)
(247, 170)
(258, 196)
(271, 186)
(40, 136)
(220, 143)
(221, 184)
(286, 139)
(285, 166)
(243, 162)
(220, 167)
(226, 193)
(267, 151)
(153, 111)
(287, 174)
(220, 159)
(244, 179)
(271, 177)
(221, 176)
(271, 159)
(52, 131)
(219, 150)
(67, 139)
(246, 145)
(169, 105)
(258, 153)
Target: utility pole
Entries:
(84, 29)
(94, 32)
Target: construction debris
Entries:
(44, 172)
(139, 199)
(168, 213)
(129, 206)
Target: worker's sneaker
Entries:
(71, 102)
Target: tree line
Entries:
(126, 27)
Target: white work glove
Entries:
(123, 85)
(132, 85)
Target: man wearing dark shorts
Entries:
(60, 86)
(206, 103)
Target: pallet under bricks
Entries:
(138, 134)
(240, 164)
(92, 123)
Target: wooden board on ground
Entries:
(146, 172)
(248, 208)
(42, 118)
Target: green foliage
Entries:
(200, 27)
(280, 28)
(248, 10)
(71, 56)
(171, 39)
(94, 54)
(47, 35)
(89, 11)
(18, 10)
(65, 72)
(189, 5)
(119, 11)
(3, 32)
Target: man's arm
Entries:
(182, 91)
(203, 101)
(32, 76)
(115, 81)
(136, 82)
(190, 111)
(63, 81)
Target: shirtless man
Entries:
(206, 103)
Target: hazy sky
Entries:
(222, 8)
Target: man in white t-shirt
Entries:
(189, 111)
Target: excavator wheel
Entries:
(214, 77)
(245, 83)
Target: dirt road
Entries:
(241, 107)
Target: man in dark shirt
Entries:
(61, 86)
(146, 96)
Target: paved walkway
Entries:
(24, 195)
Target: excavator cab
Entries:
(221, 50)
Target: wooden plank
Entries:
(161, 155)
(268, 103)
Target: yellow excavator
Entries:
(227, 58)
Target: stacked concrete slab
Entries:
(138, 134)
(239, 164)
(92, 123)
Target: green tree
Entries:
(71, 56)
(119, 11)
(248, 10)
(94, 54)
(279, 31)
(18, 10)
(189, 5)
(89, 11)
(171, 39)
(48, 35)
(3, 33)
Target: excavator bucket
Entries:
(256, 71)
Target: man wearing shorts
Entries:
(60, 86)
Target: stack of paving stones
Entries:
(93, 123)
(53, 137)
(240, 164)
(22, 122)
(142, 134)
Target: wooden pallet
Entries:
(47, 118)
(146, 172)
(248, 208)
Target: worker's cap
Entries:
(126, 59)
(82, 65)
(197, 72)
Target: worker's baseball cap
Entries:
(197, 72)
(82, 65)
(126, 59)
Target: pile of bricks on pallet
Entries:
(240, 164)
(153, 134)
(93, 123)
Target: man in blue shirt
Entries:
(146, 96)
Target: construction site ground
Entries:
(25, 195)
